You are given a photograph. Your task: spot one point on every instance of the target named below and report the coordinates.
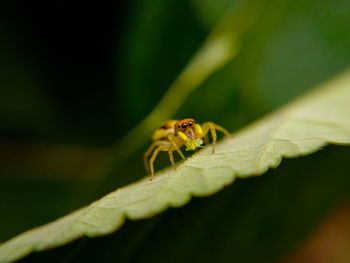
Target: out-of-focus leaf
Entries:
(306, 43)
(328, 243)
(49, 160)
(31, 201)
(318, 118)
(209, 11)
(30, 111)
(220, 47)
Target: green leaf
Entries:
(320, 117)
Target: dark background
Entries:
(62, 70)
(76, 77)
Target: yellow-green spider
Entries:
(175, 133)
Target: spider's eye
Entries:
(178, 126)
(184, 125)
(190, 123)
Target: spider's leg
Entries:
(148, 152)
(145, 156)
(151, 161)
(204, 132)
(213, 127)
(213, 135)
(221, 129)
(205, 139)
(173, 143)
(171, 157)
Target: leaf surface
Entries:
(302, 127)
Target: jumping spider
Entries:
(175, 133)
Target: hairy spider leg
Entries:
(151, 161)
(155, 153)
(212, 127)
(171, 157)
(205, 139)
(149, 151)
(169, 146)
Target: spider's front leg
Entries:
(202, 132)
(173, 140)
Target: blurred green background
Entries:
(75, 78)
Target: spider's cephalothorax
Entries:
(173, 134)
